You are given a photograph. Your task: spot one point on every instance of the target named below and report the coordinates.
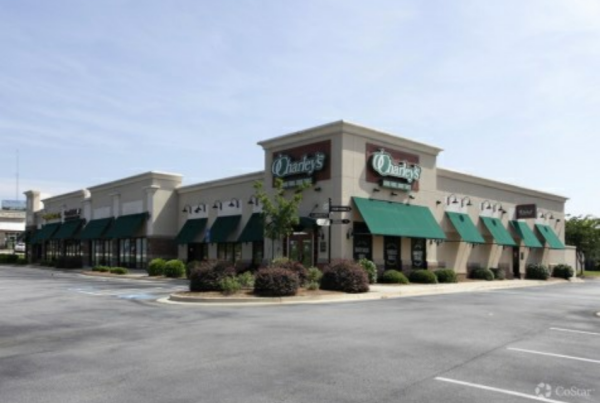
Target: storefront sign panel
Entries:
(526, 211)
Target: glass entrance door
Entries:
(301, 249)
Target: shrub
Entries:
(276, 282)
(208, 274)
(482, 274)
(446, 276)
(229, 285)
(118, 270)
(156, 267)
(22, 261)
(314, 275)
(296, 267)
(393, 277)
(191, 265)
(9, 258)
(422, 276)
(370, 268)
(174, 268)
(346, 276)
(101, 269)
(499, 274)
(246, 279)
(537, 272)
(563, 271)
(242, 267)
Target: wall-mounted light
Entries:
(200, 207)
(465, 201)
(409, 198)
(317, 188)
(187, 209)
(486, 205)
(558, 220)
(376, 189)
(254, 200)
(451, 199)
(438, 202)
(234, 203)
(394, 194)
(218, 205)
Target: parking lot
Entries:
(65, 337)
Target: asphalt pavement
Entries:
(65, 337)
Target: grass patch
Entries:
(591, 273)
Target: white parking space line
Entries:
(558, 329)
(498, 390)
(568, 357)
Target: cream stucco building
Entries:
(372, 194)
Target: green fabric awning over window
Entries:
(68, 230)
(306, 223)
(398, 219)
(126, 226)
(526, 234)
(498, 231)
(254, 229)
(190, 230)
(45, 233)
(465, 227)
(222, 229)
(95, 229)
(550, 236)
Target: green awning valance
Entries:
(526, 234)
(254, 229)
(95, 229)
(550, 236)
(465, 227)
(398, 219)
(69, 229)
(222, 229)
(45, 233)
(498, 231)
(126, 226)
(190, 230)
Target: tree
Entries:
(280, 215)
(584, 234)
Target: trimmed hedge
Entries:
(174, 268)
(346, 276)
(370, 268)
(191, 265)
(422, 276)
(118, 270)
(276, 282)
(393, 277)
(482, 274)
(499, 274)
(6, 258)
(563, 271)
(208, 275)
(537, 272)
(296, 267)
(156, 267)
(446, 276)
(101, 269)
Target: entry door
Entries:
(516, 262)
(418, 253)
(391, 253)
(301, 249)
(196, 251)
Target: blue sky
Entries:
(92, 91)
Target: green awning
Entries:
(254, 230)
(550, 236)
(126, 226)
(190, 230)
(498, 231)
(465, 227)
(398, 219)
(45, 233)
(526, 234)
(69, 229)
(306, 223)
(95, 229)
(222, 228)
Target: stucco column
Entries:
(116, 204)
(150, 192)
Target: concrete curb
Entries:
(377, 292)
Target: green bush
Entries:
(563, 271)
(296, 267)
(101, 269)
(229, 285)
(393, 277)
(346, 276)
(174, 269)
(9, 258)
(313, 281)
(370, 268)
(422, 276)
(208, 274)
(499, 274)
(537, 272)
(246, 279)
(276, 282)
(446, 276)
(482, 274)
(156, 267)
(22, 261)
(118, 270)
(191, 265)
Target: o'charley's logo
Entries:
(383, 164)
(284, 166)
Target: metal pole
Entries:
(329, 246)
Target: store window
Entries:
(257, 253)
(229, 251)
(362, 242)
(197, 251)
(133, 252)
(101, 252)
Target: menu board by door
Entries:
(418, 253)
(391, 251)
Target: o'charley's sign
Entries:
(297, 172)
(383, 163)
